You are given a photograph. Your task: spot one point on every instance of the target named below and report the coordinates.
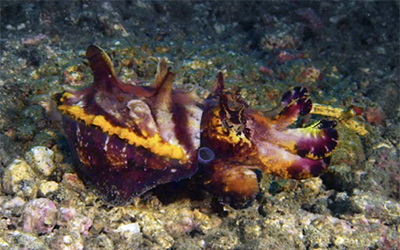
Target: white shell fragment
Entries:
(130, 227)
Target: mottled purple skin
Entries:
(243, 141)
(140, 171)
(319, 146)
(120, 170)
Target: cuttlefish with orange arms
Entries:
(128, 139)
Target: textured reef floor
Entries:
(345, 53)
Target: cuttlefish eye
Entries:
(205, 155)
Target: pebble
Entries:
(47, 187)
(219, 28)
(70, 218)
(4, 244)
(71, 180)
(154, 230)
(21, 26)
(41, 160)
(9, 27)
(132, 228)
(39, 216)
(100, 242)
(14, 202)
(66, 240)
(19, 179)
(21, 240)
(67, 213)
(81, 224)
(9, 210)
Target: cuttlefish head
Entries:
(246, 142)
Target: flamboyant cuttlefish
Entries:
(130, 138)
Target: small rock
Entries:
(219, 28)
(4, 244)
(66, 240)
(41, 159)
(182, 224)
(130, 233)
(9, 27)
(39, 216)
(154, 230)
(67, 213)
(47, 187)
(374, 116)
(116, 213)
(132, 228)
(73, 220)
(9, 209)
(19, 179)
(71, 180)
(22, 240)
(100, 242)
(81, 224)
(99, 223)
(311, 187)
(15, 202)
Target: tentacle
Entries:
(291, 112)
(288, 165)
(236, 185)
(305, 168)
(293, 94)
(314, 142)
(295, 102)
(318, 141)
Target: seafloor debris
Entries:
(346, 117)
(40, 216)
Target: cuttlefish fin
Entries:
(314, 142)
(294, 102)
